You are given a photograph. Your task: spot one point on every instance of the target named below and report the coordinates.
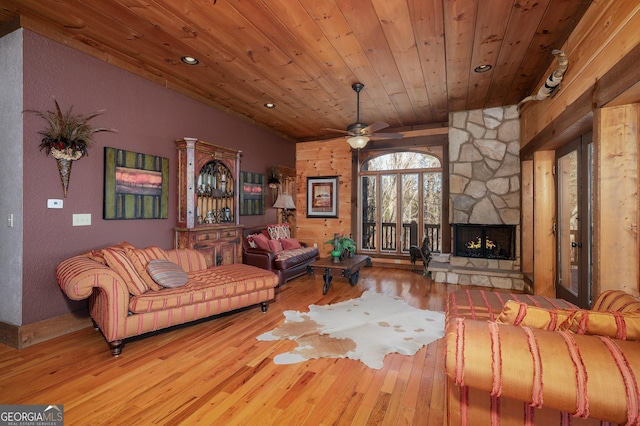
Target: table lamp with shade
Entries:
(284, 202)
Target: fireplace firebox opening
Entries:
(484, 241)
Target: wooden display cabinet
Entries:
(208, 201)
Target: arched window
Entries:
(401, 202)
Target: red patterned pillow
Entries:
(518, 313)
(617, 325)
(167, 273)
(275, 246)
(251, 240)
(141, 257)
(119, 262)
(261, 241)
(290, 243)
(279, 231)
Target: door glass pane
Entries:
(432, 209)
(388, 210)
(369, 212)
(410, 210)
(568, 237)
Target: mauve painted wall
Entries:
(149, 118)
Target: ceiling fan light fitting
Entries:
(358, 142)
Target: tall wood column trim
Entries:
(544, 242)
(526, 208)
(616, 207)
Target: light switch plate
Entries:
(53, 203)
(82, 219)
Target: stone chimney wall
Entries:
(484, 188)
(484, 148)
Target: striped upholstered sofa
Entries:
(125, 300)
(514, 359)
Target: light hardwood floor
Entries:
(216, 372)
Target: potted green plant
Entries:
(341, 244)
(67, 138)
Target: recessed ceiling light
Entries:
(269, 105)
(189, 60)
(482, 68)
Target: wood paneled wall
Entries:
(606, 35)
(326, 158)
(616, 249)
(603, 53)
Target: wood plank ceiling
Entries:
(415, 57)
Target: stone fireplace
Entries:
(484, 241)
(484, 199)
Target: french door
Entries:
(574, 167)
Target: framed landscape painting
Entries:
(322, 196)
(136, 186)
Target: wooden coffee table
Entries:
(349, 267)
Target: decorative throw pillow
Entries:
(617, 325)
(290, 243)
(251, 241)
(141, 257)
(98, 256)
(261, 241)
(190, 260)
(167, 273)
(616, 300)
(274, 246)
(279, 231)
(119, 262)
(518, 313)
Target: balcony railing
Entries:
(409, 236)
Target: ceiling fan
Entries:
(360, 133)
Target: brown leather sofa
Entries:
(286, 264)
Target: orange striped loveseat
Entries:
(125, 301)
(514, 359)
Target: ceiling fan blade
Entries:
(338, 130)
(372, 128)
(386, 136)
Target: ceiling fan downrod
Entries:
(357, 87)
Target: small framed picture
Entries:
(322, 196)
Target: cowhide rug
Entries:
(366, 329)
